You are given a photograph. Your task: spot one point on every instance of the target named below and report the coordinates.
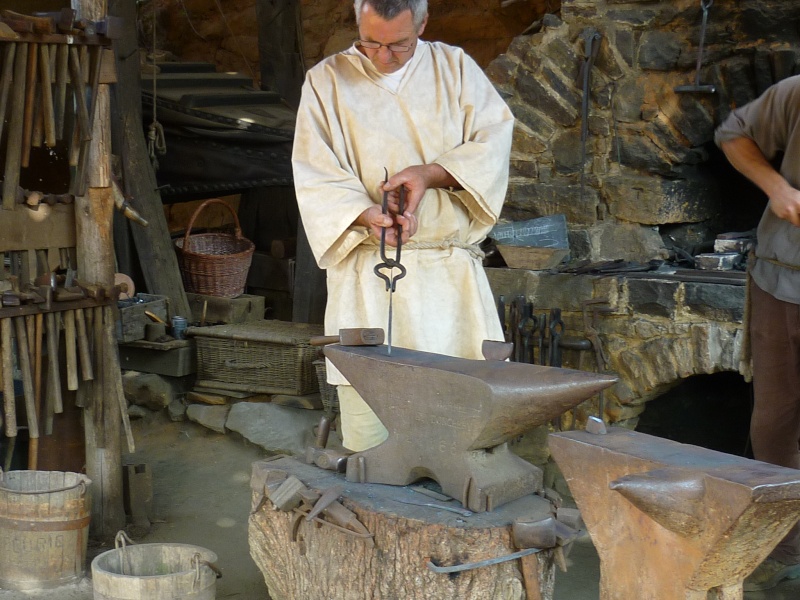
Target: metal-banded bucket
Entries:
(44, 528)
(154, 572)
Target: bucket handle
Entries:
(198, 560)
(81, 484)
(120, 543)
(237, 231)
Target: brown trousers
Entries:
(775, 424)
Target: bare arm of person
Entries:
(746, 157)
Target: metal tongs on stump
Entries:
(391, 263)
(699, 87)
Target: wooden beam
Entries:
(279, 43)
(94, 213)
(153, 243)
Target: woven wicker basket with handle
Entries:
(214, 264)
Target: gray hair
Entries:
(389, 9)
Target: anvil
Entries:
(449, 419)
(671, 520)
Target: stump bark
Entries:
(317, 561)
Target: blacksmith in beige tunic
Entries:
(350, 125)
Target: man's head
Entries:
(394, 26)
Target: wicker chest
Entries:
(261, 357)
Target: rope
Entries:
(473, 249)
(235, 39)
(156, 141)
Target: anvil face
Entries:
(449, 418)
(481, 403)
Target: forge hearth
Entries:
(656, 331)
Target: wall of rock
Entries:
(649, 166)
(226, 33)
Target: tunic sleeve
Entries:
(480, 163)
(329, 195)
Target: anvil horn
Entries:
(672, 498)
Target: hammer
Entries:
(356, 336)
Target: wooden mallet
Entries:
(356, 336)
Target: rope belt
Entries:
(473, 249)
(778, 263)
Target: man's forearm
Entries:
(747, 158)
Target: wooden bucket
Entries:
(154, 572)
(44, 528)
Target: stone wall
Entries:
(648, 167)
(656, 332)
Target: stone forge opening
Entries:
(627, 158)
(711, 411)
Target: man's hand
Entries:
(416, 179)
(786, 205)
(374, 220)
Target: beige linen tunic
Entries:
(350, 125)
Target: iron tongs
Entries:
(391, 263)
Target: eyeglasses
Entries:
(377, 45)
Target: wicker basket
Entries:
(327, 392)
(214, 264)
(260, 357)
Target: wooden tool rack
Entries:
(56, 245)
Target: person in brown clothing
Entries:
(751, 137)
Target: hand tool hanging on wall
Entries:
(14, 151)
(391, 263)
(6, 325)
(699, 88)
(30, 101)
(24, 364)
(591, 42)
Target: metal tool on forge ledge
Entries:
(391, 263)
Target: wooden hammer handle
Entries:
(8, 377)
(324, 340)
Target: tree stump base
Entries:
(301, 559)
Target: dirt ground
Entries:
(201, 488)
(201, 496)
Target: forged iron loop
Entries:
(391, 263)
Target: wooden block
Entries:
(242, 309)
(137, 489)
(132, 318)
(309, 401)
(206, 398)
(287, 495)
(533, 258)
(177, 362)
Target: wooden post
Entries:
(93, 221)
(153, 243)
(279, 42)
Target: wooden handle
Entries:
(83, 346)
(14, 151)
(33, 443)
(54, 402)
(48, 114)
(154, 317)
(24, 359)
(115, 374)
(30, 101)
(72, 358)
(8, 377)
(324, 340)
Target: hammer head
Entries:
(361, 336)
